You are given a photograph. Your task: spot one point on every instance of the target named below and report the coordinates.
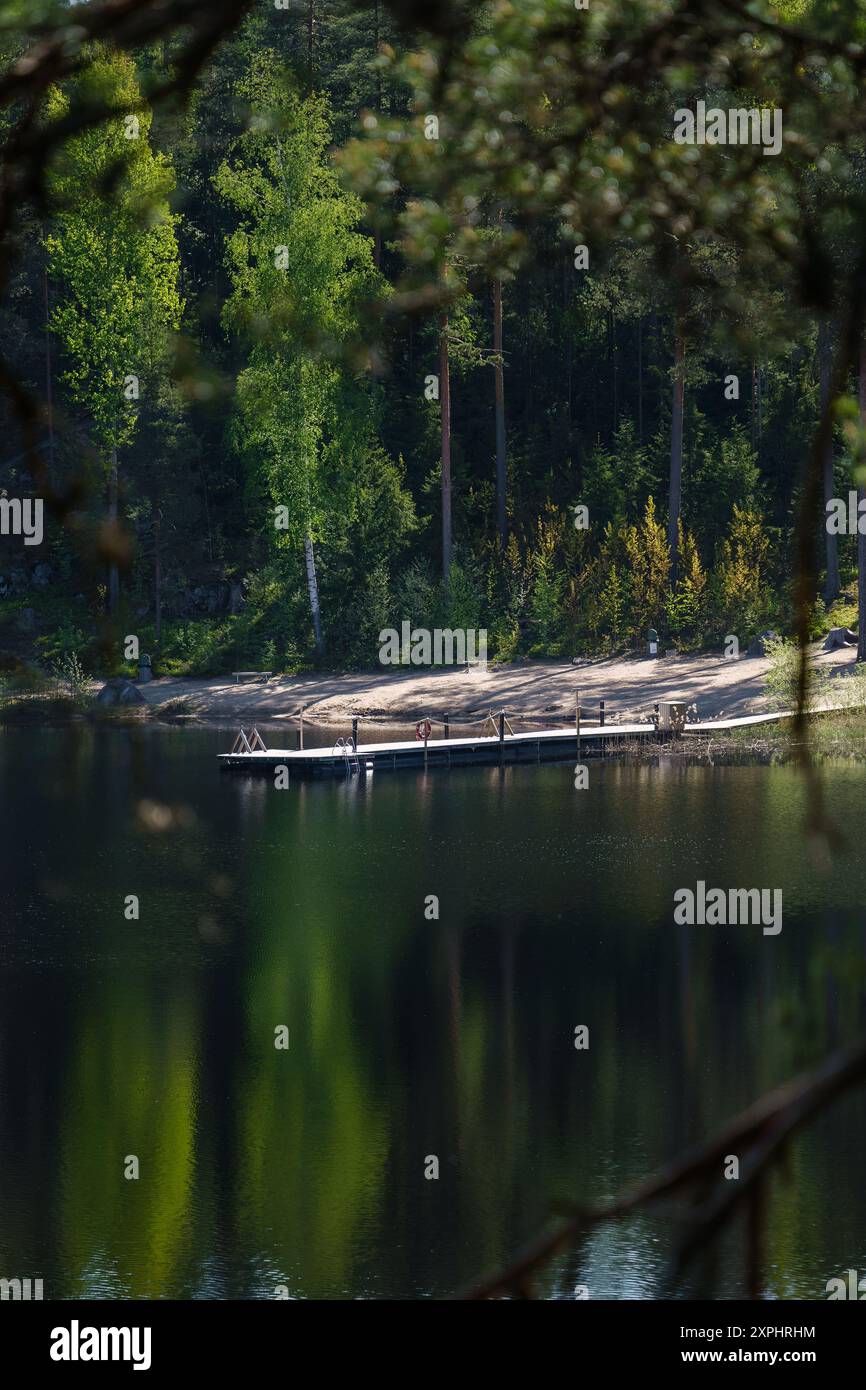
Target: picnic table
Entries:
(256, 675)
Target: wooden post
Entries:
(301, 745)
(601, 713)
(355, 732)
(425, 746)
(502, 726)
(447, 726)
(577, 721)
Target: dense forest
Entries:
(273, 440)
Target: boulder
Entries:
(757, 646)
(119, 691)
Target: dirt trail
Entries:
(629, 686)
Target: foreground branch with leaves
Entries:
(758, 1138)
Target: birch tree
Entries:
(300, 271)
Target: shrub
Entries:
(781, 679)
(70, 675)
(66, 640)
(848, 690)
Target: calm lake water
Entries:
(408, 1037)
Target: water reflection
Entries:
(409, 1037)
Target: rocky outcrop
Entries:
(119, 691)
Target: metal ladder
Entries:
(346, 746)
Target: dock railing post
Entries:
(301, 744)
(355, 732)
(425, 745)
(601, 713)
(577, 721)
(502, 726)
(447, 723)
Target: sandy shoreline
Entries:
(629, 686)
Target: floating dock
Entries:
(541, 746)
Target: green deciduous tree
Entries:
(300, 271)
(113, 253)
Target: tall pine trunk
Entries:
(445, 412)
(676, 479)
(311, 40)
(48, 393)
(640, 380)
(157, 575)
(831, 590)
(861, 540)
(499, 381)
(113, 577)
(377, 236)
(376, 53)
(313, 590)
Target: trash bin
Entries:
(652, 642)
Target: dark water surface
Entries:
(408, 1037)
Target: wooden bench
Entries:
(256, 675)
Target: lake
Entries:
(409, 1038)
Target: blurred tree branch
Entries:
(757, 1137)
(53, 52)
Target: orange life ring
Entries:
(423, 729)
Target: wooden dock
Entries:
(539, 746)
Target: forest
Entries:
(374, 324)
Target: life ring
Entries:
(423, 730)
